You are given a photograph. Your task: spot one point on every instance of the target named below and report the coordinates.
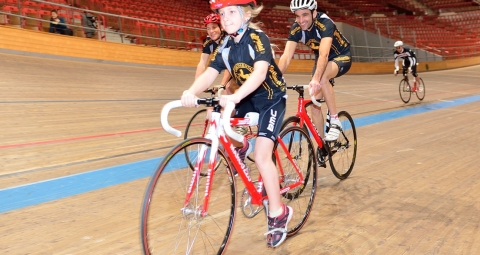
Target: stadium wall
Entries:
(16, 39)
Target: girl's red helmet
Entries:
(212, 18)
(217, 4)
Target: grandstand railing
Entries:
(161, 34)
(452, 36)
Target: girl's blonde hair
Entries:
(254, 11)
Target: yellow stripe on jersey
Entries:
(342, 58)
(335, 49)
(295, 30)
(268, 89)
(320, 25)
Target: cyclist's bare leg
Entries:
(318, 117)
(263, 161)
(327, 92)
(330, 72)
(417, 78)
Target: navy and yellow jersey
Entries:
(322, 27)
(240, 57)
(407, 55)
(210, 45)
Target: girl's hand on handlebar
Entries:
(188, 99)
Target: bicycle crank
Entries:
(248, 209)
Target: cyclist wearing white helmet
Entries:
(409, 60)
(332, 56)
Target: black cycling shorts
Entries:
(414, 69)
(271, 113)
(344, 62)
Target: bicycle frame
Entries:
(218, 137)
(305, 119)
(407, 79)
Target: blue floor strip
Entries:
(386, 116)
(40, 192)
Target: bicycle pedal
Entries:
(322, 163)
(321, 157)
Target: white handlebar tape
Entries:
(164, 117)
(227, 112)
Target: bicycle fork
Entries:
(202, 210)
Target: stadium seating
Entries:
(179, 23)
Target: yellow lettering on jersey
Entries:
(320, 25)
(313, 44)
(339, 38)
(258, 43)
(207, 42)
(295, 30)
(273, 77)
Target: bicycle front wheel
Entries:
(420, 90)
(404, 90)
(171, 223)
(301, 198)
(343, 151)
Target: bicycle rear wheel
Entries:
(405, 91)
(420, 90)
(300, 198)
(168, 226)
(343, 151)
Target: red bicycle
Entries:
(406, 90)
(185, 212)
(340, 153)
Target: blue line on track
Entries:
(386, 116)
(40, 192)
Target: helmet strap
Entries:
(313, 20)
(244, 25)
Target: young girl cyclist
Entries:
(247, 55)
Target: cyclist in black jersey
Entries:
(246, 53)
(332, 57)
(409, 60)
(214, 35)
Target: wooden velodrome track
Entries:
(414, 188)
